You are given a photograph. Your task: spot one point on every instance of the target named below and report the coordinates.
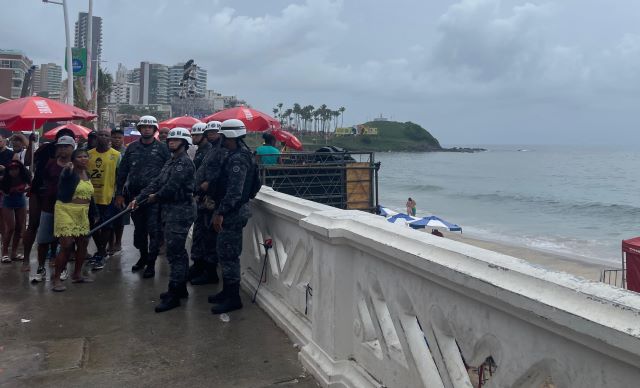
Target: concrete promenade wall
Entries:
(373, 304)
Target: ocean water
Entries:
(576, 201)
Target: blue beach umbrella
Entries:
(386, 212)
(401, 218)
(435, 222)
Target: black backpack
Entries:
(255, 183)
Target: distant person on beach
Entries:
(436, 232)
(411, 207)
(268, 154)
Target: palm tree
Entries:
(341, 110)
(336, 114)
(307, 114)
(105, 84)
(297, 110)
(287, 114)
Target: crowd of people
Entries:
(71, 193)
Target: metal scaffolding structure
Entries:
(345, 180)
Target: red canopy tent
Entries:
(631, 263)
(289, 139)
(31, 112)
(78, 130)
(254, 120)
(180, 121)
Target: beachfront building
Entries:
(81, 34)
(176, 73)
(47, 81)
(153, 79)
(14, 64)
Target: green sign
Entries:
(78, 61)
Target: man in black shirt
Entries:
(41, 157)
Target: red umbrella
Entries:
(31, 112)
(78, 130)
(253, 119)
(289, 139)
(180, 121)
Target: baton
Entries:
(110, 220)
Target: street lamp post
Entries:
(89, 45)
(68, 37)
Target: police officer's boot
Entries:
(171, 299)
(208, 276)
(231, 301)
(181, 291)
(219, 297)
(196, 269)
(150, 269)
(142, 261)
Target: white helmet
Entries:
(213, 126)
(180, 133)
(147, 120)
(233, 128)
(198, 128)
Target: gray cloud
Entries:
(520, 71)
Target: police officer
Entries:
(173, 190)
(231, 195)
(203, 249)
(141, 163)
(198, 138)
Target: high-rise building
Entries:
(176, 73)
(124, 93)
(13, 66)
(122, 74)
(96, 34)
(154, 83)
(47, 81)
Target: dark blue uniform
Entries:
(174, 188)
(231, 196)
(140, 164)
(203, 249)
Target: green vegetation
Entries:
(392, 136)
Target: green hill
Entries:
(392, 136)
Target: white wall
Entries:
(388, 306)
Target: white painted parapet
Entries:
(373, 304)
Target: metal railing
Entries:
(614, 277)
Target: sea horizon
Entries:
(552, 198)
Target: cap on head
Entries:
(180, 133)
(147, 120)
(64, 132)
(66, 140)
(213, 126)
(233, 129)
(198, 128)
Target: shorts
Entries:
(14, 201)
(105, 212)
(45, 230)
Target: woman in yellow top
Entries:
(71, 217)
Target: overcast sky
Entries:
(470, 71)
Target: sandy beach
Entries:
(575, 266)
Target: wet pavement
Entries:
(106, 334)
